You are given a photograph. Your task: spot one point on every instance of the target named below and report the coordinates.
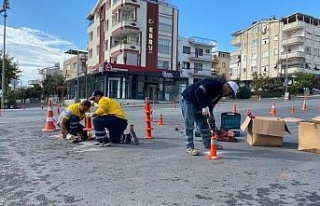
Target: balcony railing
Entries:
(293, 40)
(118, 3)
(294, 25)
(293, 55)
(236, 41)
(124, 46)
(196, 72)
(203, 57)
(124, 22)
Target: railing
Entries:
(124, 22)
(203, 57)
(117, 3)
(293, 40)
(121, 46)
(294, 25)
(293, 54)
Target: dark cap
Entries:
(96, 93)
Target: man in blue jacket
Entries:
(197, 103)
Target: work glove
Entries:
(206, 112)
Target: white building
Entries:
(269, 46)
(195, 58)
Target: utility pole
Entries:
(5, 6)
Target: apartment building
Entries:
(220, 64)
(132, 49)
(269, 46)
(195, 58)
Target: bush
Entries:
(244, 93)
(270, 94)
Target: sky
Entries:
(40, 31)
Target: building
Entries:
(195, 58)
(268, 47)
(220, 64)
(132, 50)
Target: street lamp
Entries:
(5, 6)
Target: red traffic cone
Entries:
(273, 110)
(49, 126)
(213, 148)
(88, 124)
(293, 110)
(160, 121)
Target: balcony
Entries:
(126, 5)
(121, 47)
(297, 54)
(236, 41)
(204, 57)
(294, 25)
(202, 41)
(293, 41)
(125, 27)
(195, 72)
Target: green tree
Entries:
(52, 85)
(303, 80)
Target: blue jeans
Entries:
(193, 115)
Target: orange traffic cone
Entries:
(160, 121)
(88, 124)
(273, 110)
(213, 148)
(147, 111)
(234, 108)
(304, 105)
(49, 127)
(293, 110)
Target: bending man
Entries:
(109, 115)
(197, 103)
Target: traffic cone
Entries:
(147, 111)
(160, 121)
(304, 105)
(213, 148)
(293, 110)
(88, 125)
(49, 126)
(273, 110)
(234, 108)
(319, 107)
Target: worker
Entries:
(197, 103)
(109, 115)
(69, 121)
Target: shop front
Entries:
(129, 82)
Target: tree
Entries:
(12, 70)
(303, 80)
(53, 86)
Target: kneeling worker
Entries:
(110, 115)
(70, 117)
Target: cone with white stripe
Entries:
(49, 126)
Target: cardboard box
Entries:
(309, 136)
(265, 131)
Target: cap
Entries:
(234, 87)
(95, 93)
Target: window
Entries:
(208, 51)
(223, 65)
(90, 53)
(308, 49)
(198, 66)
(198, 52)
(253, 69)
(265, 54)
(98, 31)
(254, 56)
(186, 50)
(265, 41)
(106, 45)
(254, 43)
(107, 24)
(163, 64)
(316, 52)
(265, 68)
(165, 27)
(185, 65)
(276, 51)
(90, 36)
(164, 46)
(98, 49)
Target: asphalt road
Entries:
(38, 168)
